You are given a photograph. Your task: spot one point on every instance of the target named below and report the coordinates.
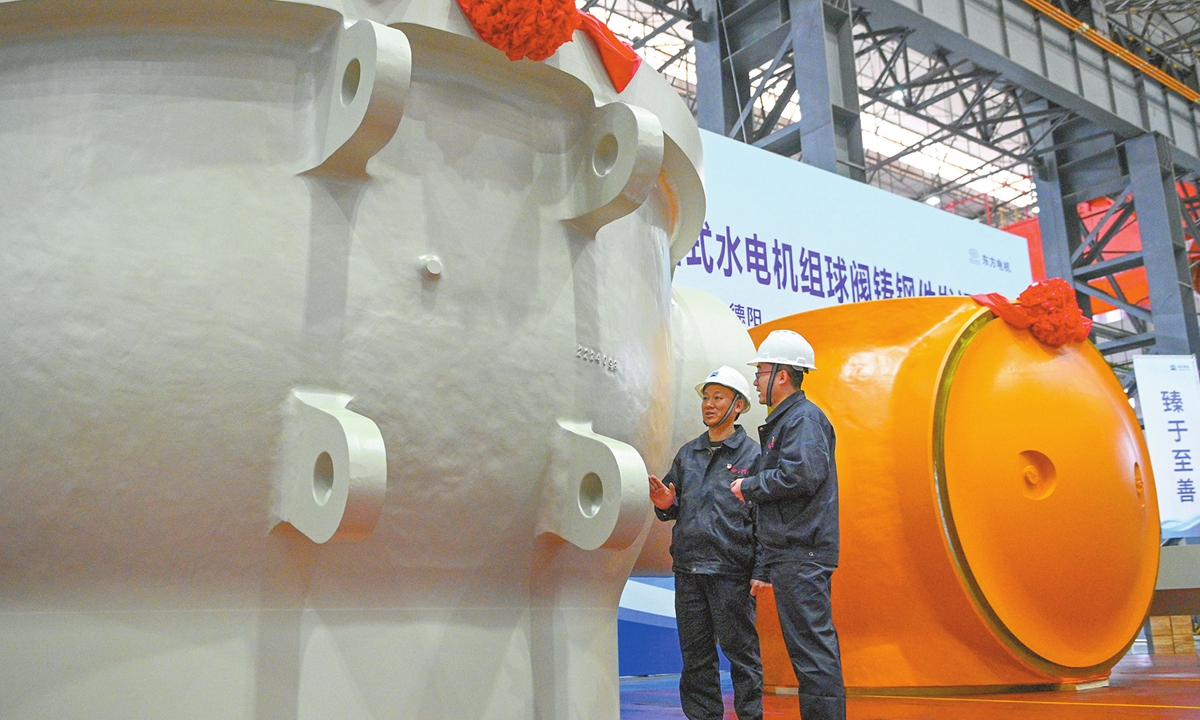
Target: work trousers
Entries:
(802, 599)
(711, 609)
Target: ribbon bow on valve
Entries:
(1047, 309)
(535, 29)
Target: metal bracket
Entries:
(596, 491)
(362, 99)
(333, 471)
(624, 155)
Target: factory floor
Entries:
(1158, 687)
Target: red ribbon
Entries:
(620, 61)
(1014, 315)
(535, 29)
(1047, 309)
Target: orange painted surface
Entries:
(777, 668)
(1025, 552)
(1044, 467)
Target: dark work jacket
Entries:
(714, 531)
(795, 485)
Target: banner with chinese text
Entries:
(782, 237)
(1169, 393)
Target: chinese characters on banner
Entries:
(782, 237)
(806, 271)
(1169, 393)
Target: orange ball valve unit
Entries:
(999, 522)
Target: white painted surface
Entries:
(172, 272)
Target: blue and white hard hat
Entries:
(726, 377)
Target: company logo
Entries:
(978, 258)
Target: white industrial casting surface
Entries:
(320, 398)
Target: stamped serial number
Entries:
(596, 357)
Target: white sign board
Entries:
(782, 237)
(1169, 393)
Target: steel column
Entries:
(717, 99)
(823, 57)
(1160, 224)
(747, 55)
(1058, 222)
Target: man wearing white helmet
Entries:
(795, 490)
(712, 550)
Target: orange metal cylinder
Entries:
(999, 523)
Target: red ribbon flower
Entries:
(1046, 308)
(535, 29)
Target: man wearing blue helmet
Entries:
(712, 550)
(795, 489)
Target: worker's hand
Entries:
(736, 487)
(663, 496)
(756, 585)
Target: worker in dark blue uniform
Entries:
(713, 551)
(795, 489)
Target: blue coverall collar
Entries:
(733, 442)
(778, 411)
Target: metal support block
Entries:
(1178, 587)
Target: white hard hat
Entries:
(726, 377)
(784, 347)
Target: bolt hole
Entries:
(605, 155)
(350, 79)
(591, 494)
(323, 478)
(1039, 475)
(1139, 484)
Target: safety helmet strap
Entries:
(736, 396)
(771, 383)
